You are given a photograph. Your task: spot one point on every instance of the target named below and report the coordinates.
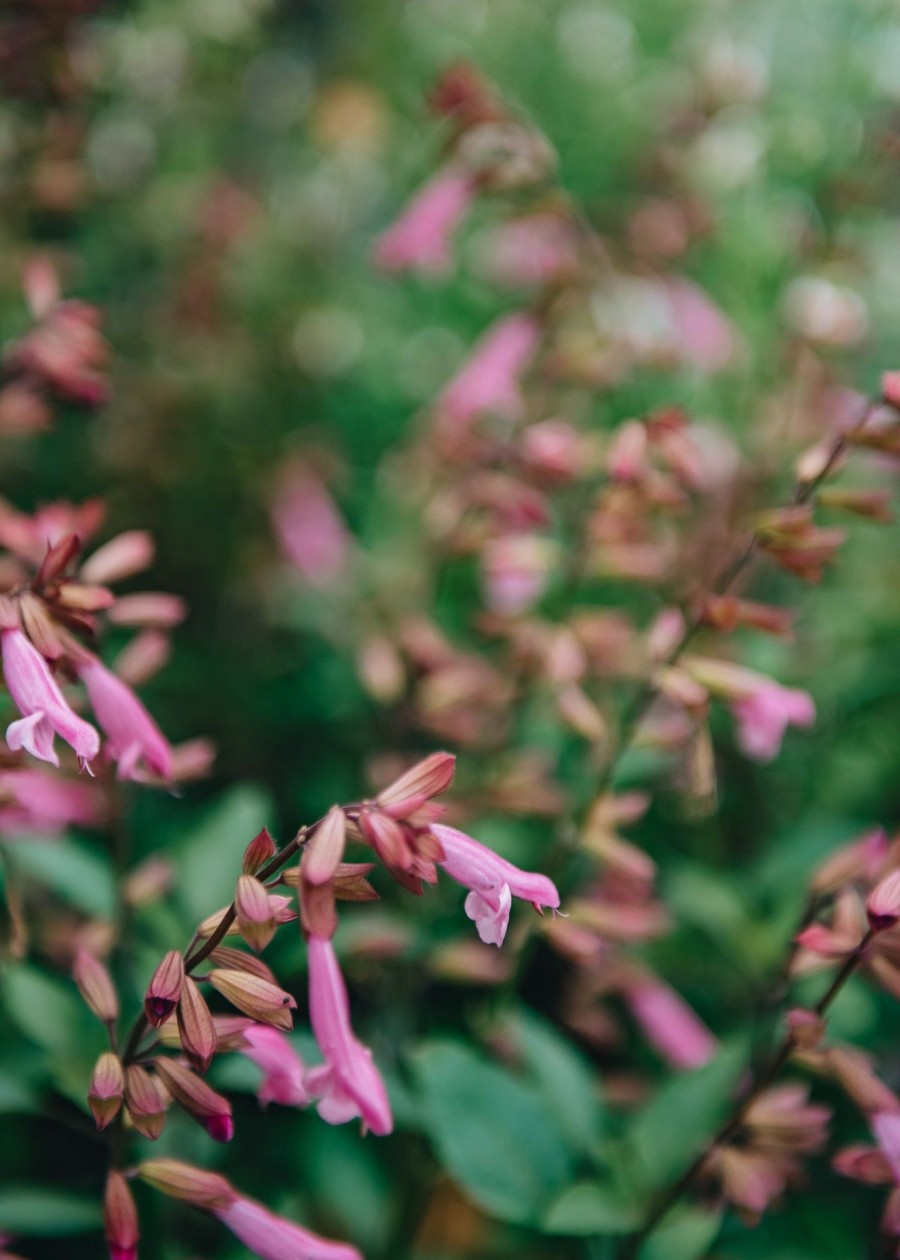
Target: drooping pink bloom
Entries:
(419, 240)
(493, 882)
(348, 1084)
(764, 715)
(273, 1238)
(283, 1068)
(133, 737)
(309, 527)
(489, 380)
(44, 803)
(39, 699)
(669, 1024)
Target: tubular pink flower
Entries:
(489, 381)
(419, 240)
(44, 803)
(132, 734)
(670, 1025)
(310, 529)
(493, 882)
(273, 1238)
(45, 711)
(764, 715)
(348, 1084)
(282, 1067)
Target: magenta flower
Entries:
(283, 1069)
(489, 380)
(310, 529)
(132, 734)
(420, 239)
(348, 1084)
(493, 882)
(43, 803)
(273, 1238)
(669, 1024)
(37, 696)
(764, 715)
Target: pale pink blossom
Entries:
(489, 380)
(493, 882)
(515, 569)
(348, 1084)
(703, 334)
(532, 250)
(132, 735)
(419, 240)
(309, 527)
(38, 698)
(272, 1238)
(886, 1127)
(44, 803)
(283, 1068)
(669, 1024)
(764, 715)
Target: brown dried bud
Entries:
(254, 912)
(164, 988)
(256, 998)
(196, 1029)
(182, 1181)
(120, 1218)
(106, 1089)
(236, 960)
(325, 848)
(95, 986)
(258, 852)
(195, 1096)
(145, 1103)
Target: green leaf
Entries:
(686, 1233)
(566, 1080)
(210, 857)
(494, 1133)
(46, 1213)
(46, 1010)
(17, 1096)
(72, 871)
(673, 1128)
(590, 1208)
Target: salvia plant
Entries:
(587, 619)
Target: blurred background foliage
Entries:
(213, 178)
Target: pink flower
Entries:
(273, 1238)
(886, 1127)
(282, 1067)
(515, 569)
(38, 697)
(309, 527)
(764, 715)
(669, 1024)
(704, 336)
(493, 882)
(348, 1084)
(44, 803)
(489, 381)
(132, 734)
(420, 239)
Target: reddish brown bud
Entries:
(317, 911)
(95, 986)
(106, 1089)
(120, 1219)
(196, 1029)
(164, 988)
(40, 627)
(883, 903)
(195, 1096)
(427, 778)
(236, 960)
(256, 998)
(192, 1185)
(875, 505)
(57, 559)
(254, 913)
(350, 883)
(890, 388)
(144, 1102)
(258, 852)
(325, 848)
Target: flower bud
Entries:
(325, 848)
(144, 1102)
(317, 909)
(164, 988)
(237, 960)
(806, 1028)
(182, 1181)
(120, 1218)
(254, 913)
(196, 1029)
(195, 1096)
(890, 388)
(258, 852)
(427, 778)
(95, 986)
(122, 557)
(106, 1089)
(883, 903)
(255, 997)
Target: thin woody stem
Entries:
(764, 1077)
